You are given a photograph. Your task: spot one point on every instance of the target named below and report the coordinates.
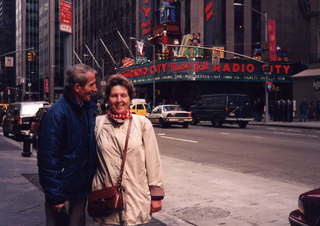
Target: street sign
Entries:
(8, 61)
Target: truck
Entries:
(223, 108)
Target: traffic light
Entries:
(29, 56)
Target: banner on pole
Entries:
(272, 40)
(66, 16)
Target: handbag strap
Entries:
(124, 154)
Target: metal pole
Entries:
(266, 118)
(109, 53)
(154, 77)
(77, 56)
(91, 54)
(124, 42)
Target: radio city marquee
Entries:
(187, 69)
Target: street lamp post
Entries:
(154, 64)
(266, 73)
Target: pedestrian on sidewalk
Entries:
(67, 149)
(141, 185)
(304, 110)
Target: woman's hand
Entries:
(156, 206)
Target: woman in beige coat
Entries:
(141, 181)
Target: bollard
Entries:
(27, 148)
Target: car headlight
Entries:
(300, 206)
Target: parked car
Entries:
(3, 110)
(18, 117)
(308, 212)
(35, 125)
(223, 108)
(166, 115)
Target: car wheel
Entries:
(5, 133)
(243, 124)
(163, 124)
(194, 120)
(216, 123)
(185, 125)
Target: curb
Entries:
(287, 126)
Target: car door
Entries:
(154, 116)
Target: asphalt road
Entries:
(283, 154)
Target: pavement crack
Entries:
(29, 208)
(189, 222)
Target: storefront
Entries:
(306, 87)
(182, 80)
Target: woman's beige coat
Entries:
(142, 172)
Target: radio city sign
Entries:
(204, 69)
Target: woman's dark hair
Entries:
(119, 80)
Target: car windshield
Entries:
(172, 108)
(30, 109)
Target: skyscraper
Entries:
(7, 44)
(27, 41)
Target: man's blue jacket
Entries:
(67, 155)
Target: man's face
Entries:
(85, 93)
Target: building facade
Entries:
(263, 30)
(27, 41)
(277, 38)
(55, 25)
(99, 27)
(7, 45)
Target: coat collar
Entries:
(71, 99)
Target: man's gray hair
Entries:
(78, 74)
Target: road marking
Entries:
(179, 139)
(161, 134)
(223, 133)
(258, 137)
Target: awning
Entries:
(308, 73)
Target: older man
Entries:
(67, 149)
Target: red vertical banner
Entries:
(46, 85)
(272, 40)
(145, 16)
(66, 16)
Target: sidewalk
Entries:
(196, 194)
(294, 124)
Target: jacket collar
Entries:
(72, 100)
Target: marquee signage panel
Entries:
(205, 70)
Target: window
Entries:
(140, 107)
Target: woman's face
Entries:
(119, 99)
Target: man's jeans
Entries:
(72, 215)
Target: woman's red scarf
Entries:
(124, 115)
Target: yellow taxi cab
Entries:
(4, 106)
(139, 107)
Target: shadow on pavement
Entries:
(33, 179)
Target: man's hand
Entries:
(58, 207)
(156, 206)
